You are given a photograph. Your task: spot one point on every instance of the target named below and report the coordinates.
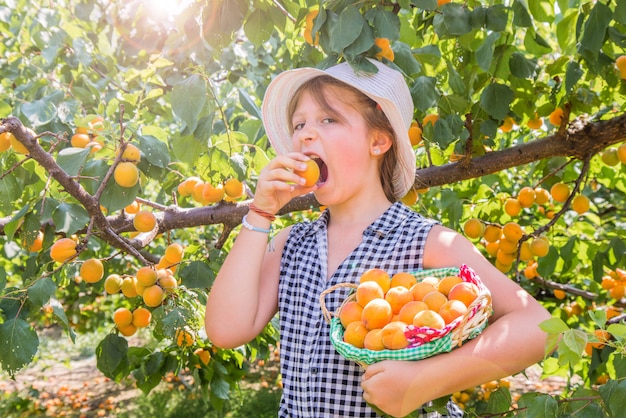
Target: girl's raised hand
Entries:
(278, 183)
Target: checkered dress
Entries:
(317, 381)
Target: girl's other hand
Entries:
(393, 387)
(278, 183)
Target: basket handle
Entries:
(328, 315)
(483, 300)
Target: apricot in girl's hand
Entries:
(310, 174)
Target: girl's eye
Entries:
(328, 120)
(298, 126)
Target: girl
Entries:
(355, 126)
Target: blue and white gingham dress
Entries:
(317, 381)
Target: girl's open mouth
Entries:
(323, 170)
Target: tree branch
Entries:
(580, 143)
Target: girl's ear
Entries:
(380, 142)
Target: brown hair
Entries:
(373, 115)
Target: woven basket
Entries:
(423, 341)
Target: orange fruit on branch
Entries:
(174, 253)
(141, 317)
(126, 174)
(63, 250)
(146, 276)
(184, 337)
(122, 317)
(92, 270)
(144, 221)
(153, 295)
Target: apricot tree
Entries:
(116, 111)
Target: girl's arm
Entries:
(244, 296)
(511, 342)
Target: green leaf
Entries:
(497, 17)
(59, 313)
(599, 317)
(116, 197)
(386, 23)
(425, 4)
(69, 218)
(619, 362)
(154, 151)
(9, 193)
(595, 28)
(187, 148)
(258, 26)
(424, 92)
(554, 326)
(496, 99)
(197, 275)
(405, 59)
(614, 395)
(566, 30)
(499, 401)
(248, 104)
(455, 81)
(542, 10)
(443, 134)
(535, 44)
(521, 15)
(618, 331)
(363, 43)
(575, 340)
(18, 345)
(619, 14)
(150, 373)
(347, 29)
(82, 51)
(71, 159)
(112, 358)
(41, 291)
(39, 112)
(541, 406)
(430, 54)
(455, 21)
(220, 387)
(573, 74)
(522, 67)
(548, 263)
(188, 98)
(484, 54)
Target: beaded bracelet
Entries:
(266, 215)
(248, 225)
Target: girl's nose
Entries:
(307, 134)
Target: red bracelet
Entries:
(263, 213)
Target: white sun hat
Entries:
(386, 87)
